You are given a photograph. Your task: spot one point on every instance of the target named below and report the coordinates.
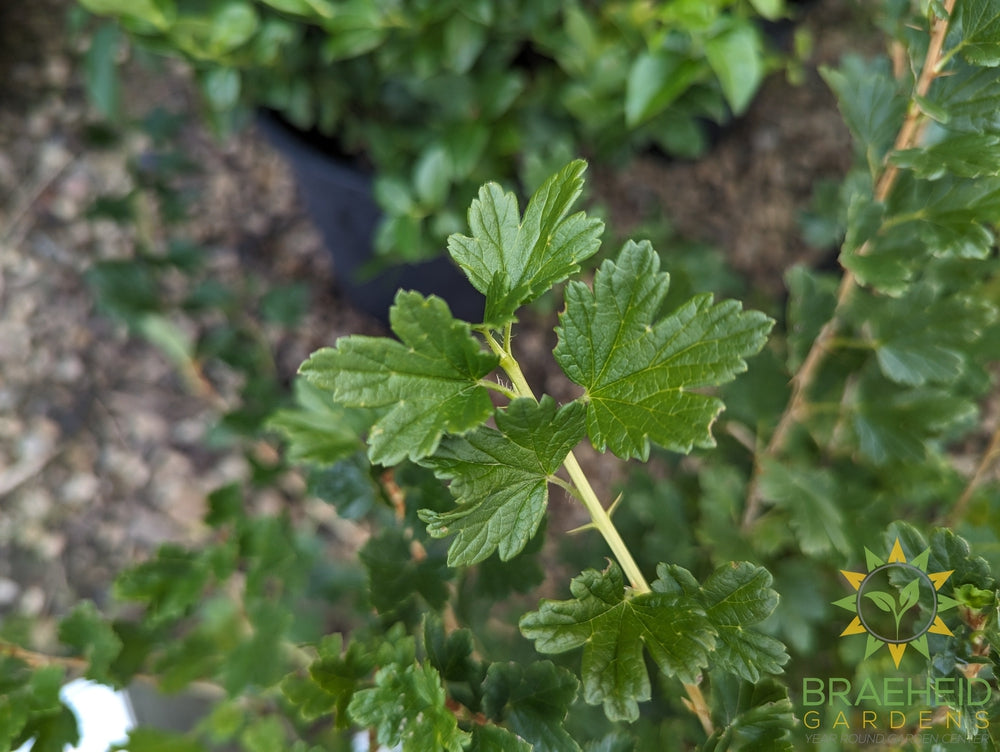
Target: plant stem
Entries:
(988, 458)
(908, 137)
(600, 519)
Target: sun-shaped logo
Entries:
(896, 603)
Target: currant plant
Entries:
(452, 626)
(643, 375)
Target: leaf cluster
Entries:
(441, 97)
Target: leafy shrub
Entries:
(435, 637)
(442, 96)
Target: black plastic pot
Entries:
(339, 200)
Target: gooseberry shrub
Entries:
(683, 614)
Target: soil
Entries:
(102, 442)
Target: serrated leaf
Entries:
(919, 336)
(750, 717)
(640, 373)
(428, 382)
(333, 679)
(971, 97)
(91, 634)
(170, 584)
(496, 739)
(407, 707)
(977, 23)
(612, 627)
(534, 701)
(500, 478)
(513, 260)
(736, 597)
(899, 425)
(53, 732)
(967, 155)
(809, 496)
(318, 430)
(868, 98)
(396, 577)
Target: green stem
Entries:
(585, 492)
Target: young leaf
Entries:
(655, 80)
(407, 707)
(613, 627)
(639, 372)
(500, 478)
(533, 701)
(428, 383)
(512, 260)
(333, 679)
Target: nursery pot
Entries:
(340, 202)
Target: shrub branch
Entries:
(908, 136)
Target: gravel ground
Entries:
(102, 452)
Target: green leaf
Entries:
(920, 337)
(87, 631)
(233, 24)
(170, 584)
(318, 430)
(158, 13)
(101, 67)
(750, 717)
(612, 627)
(54, 732)
(736, 597)
(264, 734)
(978, 25)
(870, 103)
(737, 59)
(432, 176)
(155, 740)
(533, 701)
(809, 495)
(397, 578)
(513, 260)
(500, 478)
(496, 739)
(334, 678)
(428, 382)
(407, 707)
(971, 97)
(639, 373)
(967, 155)
(655, 80)
(812, 299)
(772, 10)
(898, 426)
